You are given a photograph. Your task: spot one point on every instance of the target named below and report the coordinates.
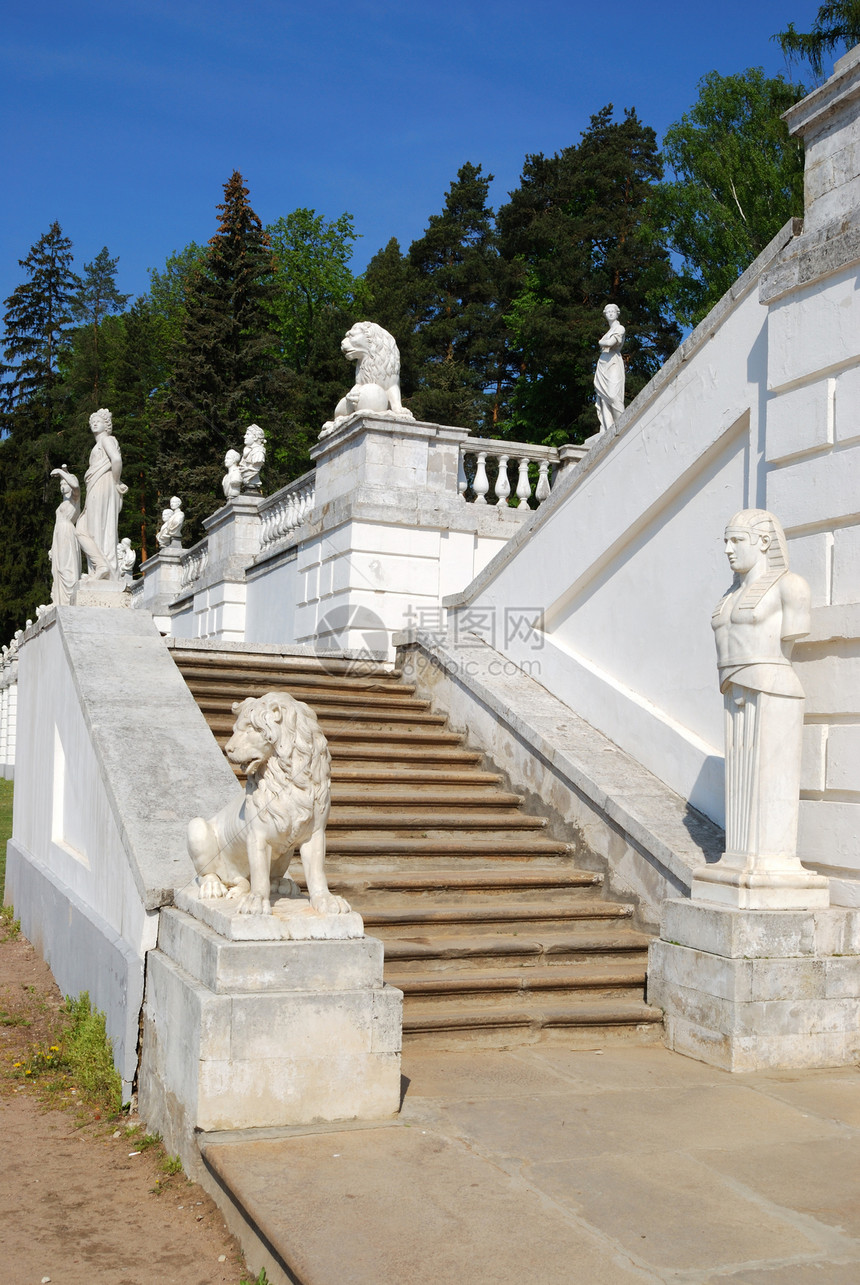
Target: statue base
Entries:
(751, 990)
(781, 885)
(90, 592)
(263, 1034)
(292, 919)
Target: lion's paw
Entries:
(211, 886)
(326, 903)
(253, 904)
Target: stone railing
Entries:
(194, 563)
(287, 509)
(508, 472)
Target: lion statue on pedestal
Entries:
(244, 851)
(377, 374)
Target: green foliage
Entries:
(459, 331)
(311, 278)
(38, 314)
(738, 178)
(97, 298)
(836, 26)
(87, 1053)
(223, 360)
(578, 233)
(6, 790)
(391, 294)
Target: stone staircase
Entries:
(491, 932)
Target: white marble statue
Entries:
(125, 556)
(756, 623)
(231, 482)
(377, 374)
(253, 458)
(172, 520)
(244, 851)
(65, 552)
(96, 527)
(609, 374)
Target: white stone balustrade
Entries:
(8, 718)
(287, 509)
(194, 563)
(480, 449)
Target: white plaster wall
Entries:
(270, 606)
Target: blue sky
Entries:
(123, 119)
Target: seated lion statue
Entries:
(377, 374)
(244, 851)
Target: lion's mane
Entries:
(295, 783)
(381, 361)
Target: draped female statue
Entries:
(609, 375)
(65, 552)
(97, 525)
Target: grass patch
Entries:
(88, 1054)
(5, 829)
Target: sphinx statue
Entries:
(377, 375)
(609, 375)
(65, 552)
(97, 525)
(756, 623)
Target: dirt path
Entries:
(75, 1206)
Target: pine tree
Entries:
(391, 300)
(222, 366)
(459, 330)
(38, 315)
(579, 233)
(97, 298)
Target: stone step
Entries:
(376, 843)
(382, 794)
(442, 885)
(428, 730)
(477, 918)
(220, 712)
(432, 774)
(352, 754)
(418, 817)
(321, 668)
(513, 986)
(450, 1023)
(614, 943)
(222, 694)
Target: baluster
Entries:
(542, 488)
(524, 486)
(462, 481)
(481, 484)
(503, 486)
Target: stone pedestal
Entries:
(162, 582)
(738, 882)
(260, 1034)
(749, 990)
(100, 593)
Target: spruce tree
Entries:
(391, 300)
(97, 298)
(578, 233)
(459, 329)
(38, 315)
(223, 362)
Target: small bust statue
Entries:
(253, 458)
(125, 556)
(609, 375)
(172, 519)
(756, 623)
(231, 483)
(65, 552)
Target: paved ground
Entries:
(548, 1166)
